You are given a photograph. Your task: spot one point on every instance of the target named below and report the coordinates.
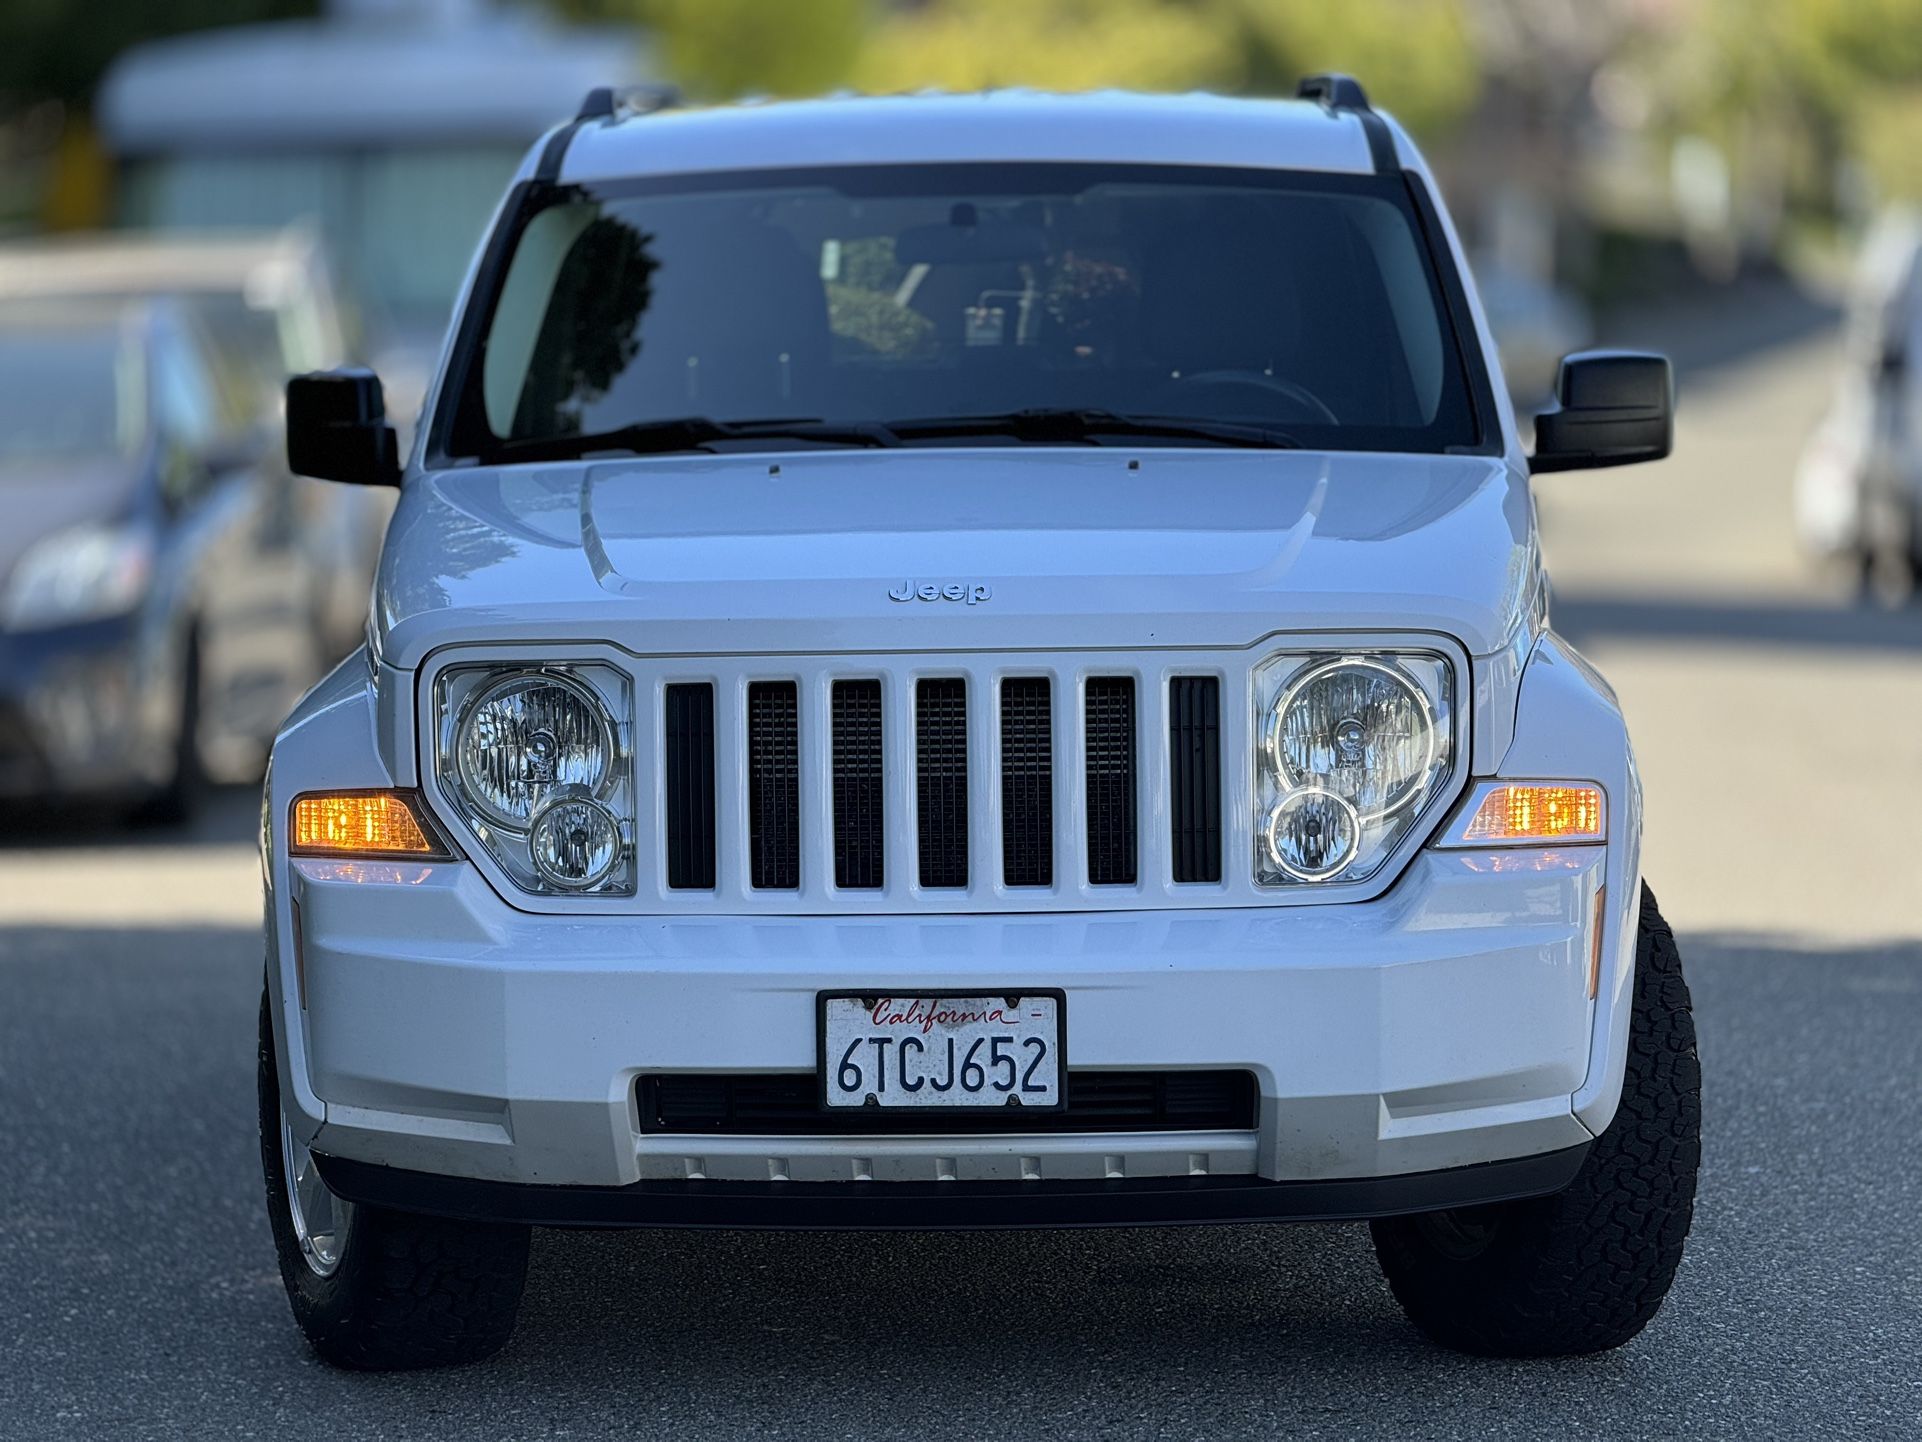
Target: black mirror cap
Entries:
(1612, 408)
(337, 429)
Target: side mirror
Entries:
(337, 429)
(1612, 408)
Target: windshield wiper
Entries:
(1045, 424)
(694, 433)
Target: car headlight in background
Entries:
(82, 574)
(539, 760)
(1353, 749)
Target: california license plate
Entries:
(942, 1051)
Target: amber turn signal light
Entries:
(1535, 811)
(360, 823)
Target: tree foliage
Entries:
(1416, 55)
(1059, 44)
(724, 49)
(1417, 58)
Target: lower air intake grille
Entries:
(1194, 776)
(1027, 782)
(788, 1104)
(1111, 780)
(858, 812)
(941, 779)
(689, 786)
(774, 785)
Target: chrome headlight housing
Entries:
(1353, 747)
(539, 760)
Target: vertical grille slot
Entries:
(941, 779)
(774, 785)
(690, 786)
(1111, 780)
(1027, 782)
(1194, 776)
(858, 832)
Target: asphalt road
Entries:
(1779, 736)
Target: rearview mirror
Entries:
(1612, 408)
(337, 429)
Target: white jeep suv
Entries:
(970, 661)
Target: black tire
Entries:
(409, 1291)
(1585, 1269)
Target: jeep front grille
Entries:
(900, 784)
(773, 786)
(941, 780)
(860, 837)
(1027, 782)
(1194, 776)
(963, 749)
(688, 786)
(1111, 780)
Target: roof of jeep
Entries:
(1001, 125)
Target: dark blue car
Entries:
(155, 622)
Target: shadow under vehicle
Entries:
(149, 636)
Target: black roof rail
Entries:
(1334, 90)
(1339, 94)
(605, 102)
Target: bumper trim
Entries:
(951, 1206)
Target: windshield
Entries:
(67, 392)
(887, 304)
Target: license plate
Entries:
(942, 1051)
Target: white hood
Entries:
(1047, 547)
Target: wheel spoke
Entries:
(320, 1218)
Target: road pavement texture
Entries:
(1777, 730)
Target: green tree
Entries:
(1055, 44)
(723, 49)
(1417, 58)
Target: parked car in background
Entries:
(1858, 490)
(269, 306)
(150, 629)
(390, 125)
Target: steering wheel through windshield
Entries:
(1307, 406)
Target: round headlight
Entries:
(527, 735)
(575, 843)
(1312, 834)
(1360, 729)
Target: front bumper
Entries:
(942, 1206)
(443, 1049)
(1445, 1025)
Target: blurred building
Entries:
(391, 125)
